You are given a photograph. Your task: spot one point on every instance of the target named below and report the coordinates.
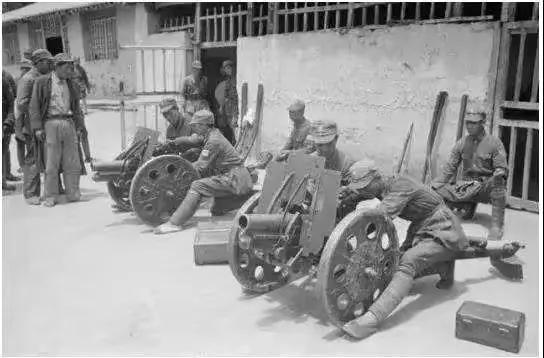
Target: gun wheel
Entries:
(120, 195)
(159, 186)
(252, 272)
(357, 264)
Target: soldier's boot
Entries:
(368, 323)
(498, 204)
(183, 213)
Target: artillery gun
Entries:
(120, 172)
(297, 226)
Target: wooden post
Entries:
(511, 159)
(527, 163)
(215, 25)
(164, 68)
(272, 27)
(534, 89)
(295, 20)
(208, 28)
(231, 24)
(448, 10)
(260, 20)
(431, 14)
(143, 69)
(418, 11)
(240, 23)
(458, 9)
(337, 19)
(156, 117)
(153, 69)
(389, 13)
(461, 121)
(507, 11)
(223, 24)
(305, 18)
(403, 11)
(145, 115)
(376, 14)
(316, 19)
(535, 12)
(483, 9)
(519, 70)
(364, 15)
(326, 23)
(196, 43)
(249, 19)
(350, 15)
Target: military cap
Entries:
(41, 54)
(323, 132)
(203, 116)
(227, 63)
(25, 63)
(197, 64)
(167, 104)
(362, 173)
(474, 117)
(296, 106)
(61, 58)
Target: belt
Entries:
(59, 116)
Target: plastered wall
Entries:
(372, 83)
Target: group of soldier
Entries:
(435, 233)
(49, 107)
(43, 111)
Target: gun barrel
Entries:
(264, 222)
(105, 171)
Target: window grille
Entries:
(103, 38)
(10, 44)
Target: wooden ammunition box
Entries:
(490, 325)
(210, 245)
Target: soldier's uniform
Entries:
(194, 92)
(7, 126)
(182, 127)
(32, 167)
(323, 132)
(484, 171)
(226, 96)
(434, 235)
(25, 66)
(221, 170)
(298, 137)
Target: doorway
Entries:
(212, 59)
(54, 45)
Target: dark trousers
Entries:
(228, 133)
(21, 152)
(6, 160)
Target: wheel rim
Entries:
(253, 273)
(357, 264)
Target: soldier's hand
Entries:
(40, 135)
(281, 156)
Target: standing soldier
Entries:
(194, 91)
(484, 172)
(81, 79)
(434, 235)
(301, 128)
(25, 66)
(227, 100)
(41, 59)
(56, 117)
(7, 127)
(220, 167)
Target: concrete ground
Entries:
(80, 279)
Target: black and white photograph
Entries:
(271, 179)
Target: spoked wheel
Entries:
(120, 194)
(251, 271)
(159, 186)
(357, 264)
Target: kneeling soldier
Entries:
(434, 235)
(484, 172)
(220, 167)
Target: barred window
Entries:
(102, 38)
(10, 46)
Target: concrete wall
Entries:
(373, 83)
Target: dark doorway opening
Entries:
(212, 59)
(54, 45)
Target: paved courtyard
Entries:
(80, 279)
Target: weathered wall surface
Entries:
(373, 83)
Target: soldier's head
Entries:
(324, 135)
(475, 122)
(64, 66)
(197, 68)
(170, 110)
(202, 122)
(25, 66)
(42, 60)
(366, 179)
(227, 68)
(296, 110)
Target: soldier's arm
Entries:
(450, 167)
(34, 107)
(193, 140)
(207, 158)
(500, 165)
(397, 198)
(9, 98)
(289, 145)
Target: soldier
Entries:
(434, 235)
(25, 66)
(220, 167)
(194, 91)
(301, 128)
(227, 100)
(41, 60)
(324, 135)
(56, 117)
(82, 80)
(7, 127)
(484, 172)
